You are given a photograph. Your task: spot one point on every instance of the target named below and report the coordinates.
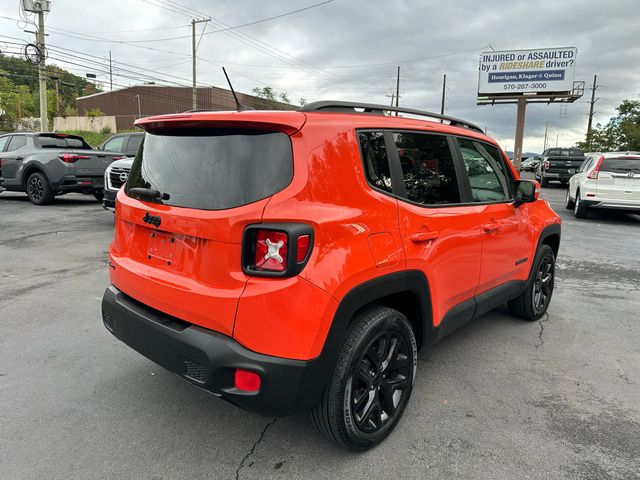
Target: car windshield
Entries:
(565, 152)
(212, 169)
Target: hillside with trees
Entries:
(19, 96)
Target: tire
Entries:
(99, 196)
(569, 203)
(363, 402)
(544, 182)
(535, 299)
(38, 189)
(580, 210)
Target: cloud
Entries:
(320, 53)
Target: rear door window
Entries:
(428, 168)
(16, 143)
(3, 142)
(211, 169)
(133, 144)
(489, 179)
(114, 144)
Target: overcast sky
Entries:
(349, 50)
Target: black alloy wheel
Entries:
(371, 382)
(38, 189)
(543, 285)
(534, 300)
(381, 379)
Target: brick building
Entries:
(128, 104)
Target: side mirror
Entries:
(527, 191)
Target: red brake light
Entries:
(546, 164)
(271, 250)
(72, 158)
(594, 173)
(246, 380)
(303, 247)
(118, 157)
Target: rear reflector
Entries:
(246, 380)
(303, 247)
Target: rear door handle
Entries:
(491, 227)
(420, 237)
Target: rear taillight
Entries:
(545, 164)
(271, 250)
(276, 249)
(593, 175)
(118, 157)
(72, 158)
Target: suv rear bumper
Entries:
(208, 359)
(612, 204)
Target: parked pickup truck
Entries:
(44, 165)
(558, 164)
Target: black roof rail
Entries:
(376, 109)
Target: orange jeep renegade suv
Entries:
(292, 261)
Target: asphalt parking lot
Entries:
(499, 399)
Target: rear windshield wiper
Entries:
(149, 193)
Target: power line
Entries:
(226, 29)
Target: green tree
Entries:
(622, 132)
(272, 99)
(15, 103)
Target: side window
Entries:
(488, 176)
(585, 165)
(134, 143)
(376, 162)
(3, 142)
(114, 145)
(16, 143)
(428, 168)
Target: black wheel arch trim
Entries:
(549, 231)
(376, 291)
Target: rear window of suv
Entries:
(621, 165)
(62, 141)
(211, 169)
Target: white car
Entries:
(606, 181)
(115, 176)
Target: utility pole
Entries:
(591, 112)
(194, 90)
(444, 86)
(546, 125)
(557, 139)
(398, 89)
(42, 69)
(110, 73)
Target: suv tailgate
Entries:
(181, 254)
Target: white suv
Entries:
(606, 181)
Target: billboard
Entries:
(512, 72)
